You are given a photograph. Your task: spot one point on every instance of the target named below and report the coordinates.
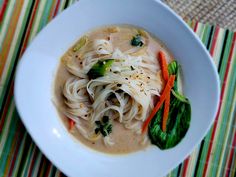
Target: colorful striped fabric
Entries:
(21, 20)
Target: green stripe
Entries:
(199, 31)
(174, 173)
(6, 133)
(6, 11)
(233, 167)
(7, 123)
(208, 137)
(219, 52)
(225, 56)
(32, 34)
(14, 57)
(37, 164)
(205, 37)
(62, 6)
(11, 9)
(225, 127)
(28, 160)
(45, 15)
(1, 3)
(211, 42)
(229, 106)
(19, 156)
(206, 34)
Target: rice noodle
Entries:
(132, 83)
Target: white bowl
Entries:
(36, 71)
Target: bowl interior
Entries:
(36, 71)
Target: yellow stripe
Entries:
(219, 45)
(221, 115)
(13, 44)
(6, 20)
(35, 27)
(53, 7)
(192, 162)
(7, 42)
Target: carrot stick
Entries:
(166, 91)
(164, 65)
(166, 112)
(71, 124)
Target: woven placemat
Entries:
(220, 12)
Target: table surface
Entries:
(21, 20)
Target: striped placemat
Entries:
(21, 20)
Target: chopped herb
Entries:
(132, 68)
(137, 41)
(97, 130)
(104, 126)
(105, 119)
(97, 122)
(119, 91)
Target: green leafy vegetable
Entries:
(137, 41)
(132, 68)
(173, 69)
(179, 117)
(104, 126)
(80, 44)
(177, 124)
(100, 68)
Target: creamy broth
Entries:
(126, 140)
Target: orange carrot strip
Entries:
(167, 89)
(71, 124)
(166, 112)
(164, 65)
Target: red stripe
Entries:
(48, 170)
(214, 40)
(57, 7)
(19, 141)
(6, 107)
(221, 98)
(29, 28)
(231, 155)
(195, 28)
(185, 167)
(4, 6)
(32, 163)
